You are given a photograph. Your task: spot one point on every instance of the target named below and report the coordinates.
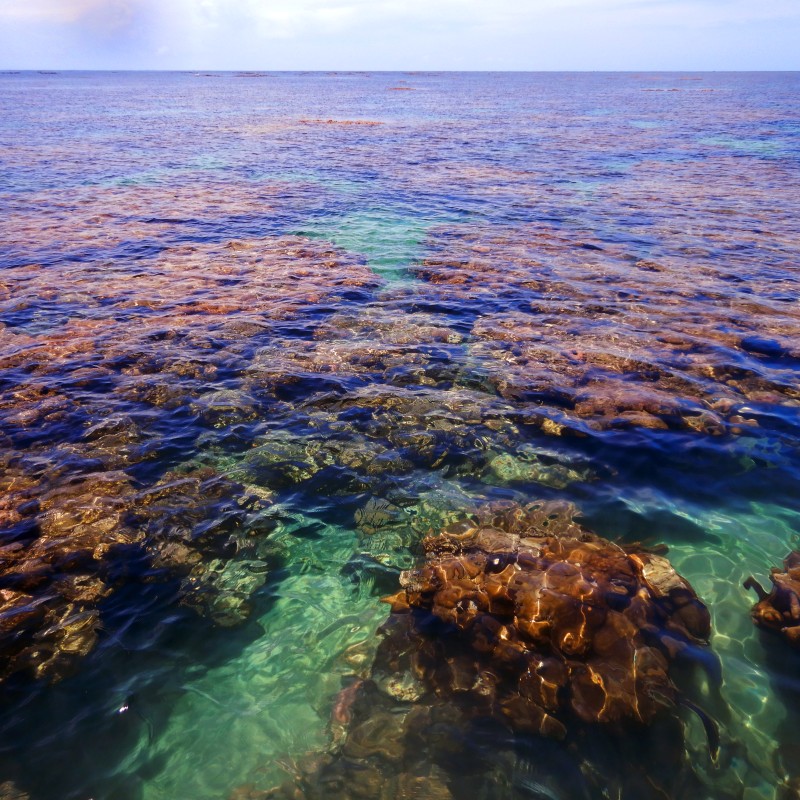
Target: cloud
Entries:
(298, 18)
(54, 11)
(67, 12)
(710, 12)
(387, 34)
(281, 19)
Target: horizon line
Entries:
(408, 71)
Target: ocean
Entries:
(264, 336)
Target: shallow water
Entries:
(234, 314)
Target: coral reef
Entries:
(779, 611)
(569, 622)
(520, 627)
(603, 340)
(77, 537)
(366, 122)
(105, 376)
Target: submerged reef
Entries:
(80, 540)
(106, 381)
(524, 628)
(602, 340)
(584, 626)
(268, 345)
(779, 611)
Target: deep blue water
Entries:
(238, 308)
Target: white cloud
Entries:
(65, 12)
(296, 18)
(387, 34)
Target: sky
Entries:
(401, 34)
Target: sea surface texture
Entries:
(265, 336)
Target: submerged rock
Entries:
(565, 622)
(75, 538)
(779, 611)
(526, 466)
(8, 791)
(376, 515)
(521, 628)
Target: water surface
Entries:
(238, 308)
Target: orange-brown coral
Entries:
(520, 624)
(183, 318)
(606, 340)
(70, 534)
(85, 400)
(558, 619)
(779, 611)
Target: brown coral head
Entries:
(779, 610)
(568, 622)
